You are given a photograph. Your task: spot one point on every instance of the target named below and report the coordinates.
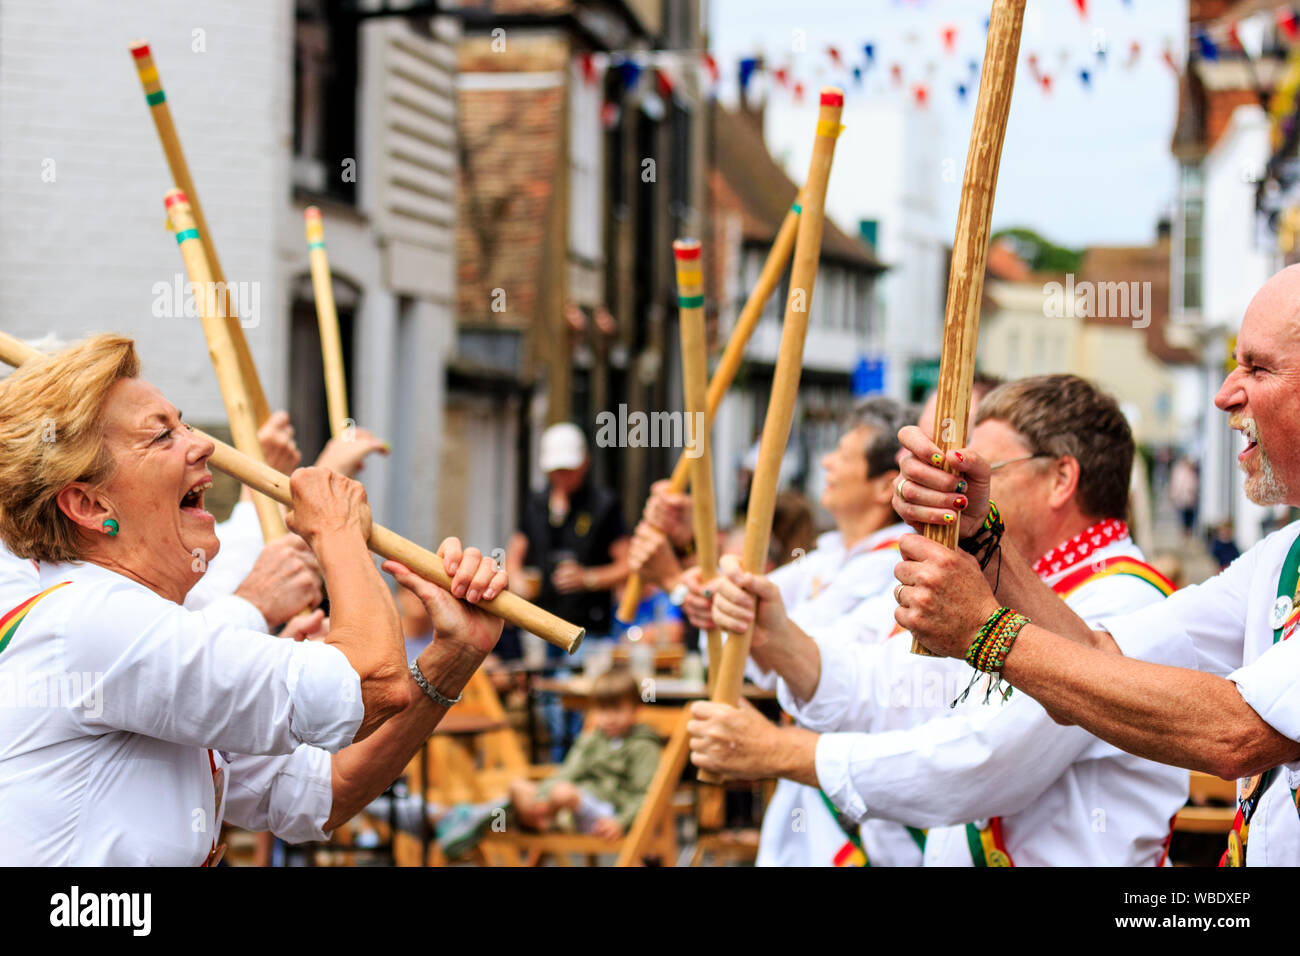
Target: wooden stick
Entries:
(768, 279)
(327, 317)
(971, 244)
(785, 385)
(387, 544)
(695, 382)
(180, 170)
(225, 358)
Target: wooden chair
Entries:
(1211, 806)
(652, 836)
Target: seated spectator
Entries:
(597, 790)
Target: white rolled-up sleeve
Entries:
(1271, 686)
(846, 696)
(987, 760)
(179, 675)
(291, 796)
(1207, 620)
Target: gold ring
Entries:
(898, 488)
(898, 594)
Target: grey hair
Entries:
(884, 417)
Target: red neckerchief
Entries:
(1076, 550)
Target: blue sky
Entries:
(1081, 165)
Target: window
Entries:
(308, 409)
(324, 100)
(1193, 224)
(586, 167)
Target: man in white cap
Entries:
(573, 533)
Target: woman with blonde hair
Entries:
(134, 726)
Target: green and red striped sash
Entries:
(9, 623)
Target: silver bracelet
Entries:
(432, 694)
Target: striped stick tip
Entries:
(310, 213)
(173, 197)
(832, 96)
(686, 248)
(139, 49)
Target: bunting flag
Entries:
(1206, 46)
(1083, 8)
(1046, 82)
(782, 76)
(711, 65)
(1134, 53)
(1085, 78)
(747, 67)
(1288, 23)
(798, 92)
(961, 92)
(921, 94)
(629, 72)
(587, 63)
(869, 50)
(1168, 56)
(836, 60)
(896, 73)
(857, 76)
(949, 35)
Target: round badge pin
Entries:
(1281, 611)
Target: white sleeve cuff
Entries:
(1271, 686)
(292, 795)
(834, 760)
(325, 694)
(836, 686)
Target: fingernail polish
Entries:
(949, 517)
(961, 502)
(936, 459)
(961, 489)
(959, 457)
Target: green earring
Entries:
(110, 526)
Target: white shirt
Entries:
(112, 696)
(1065, 797)
(823, 592)
(241, 543)
(1222, 625)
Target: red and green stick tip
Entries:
(153, 91)
(315, 228)
(176, 198)
(686, 248)
(832, 96)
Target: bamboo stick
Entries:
(971, 244)
(785, 385)
(387, 544)
(695, 381)
(327, 317)
(768, 279)
(180, 173)
(225, 358)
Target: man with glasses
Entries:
(996, 781)
(1231, 706)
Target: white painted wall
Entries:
(82, 253)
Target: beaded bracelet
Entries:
(987, 654)
(986, 539)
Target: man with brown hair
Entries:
(996, 781)
(1231, 706)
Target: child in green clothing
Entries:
(601, 783)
